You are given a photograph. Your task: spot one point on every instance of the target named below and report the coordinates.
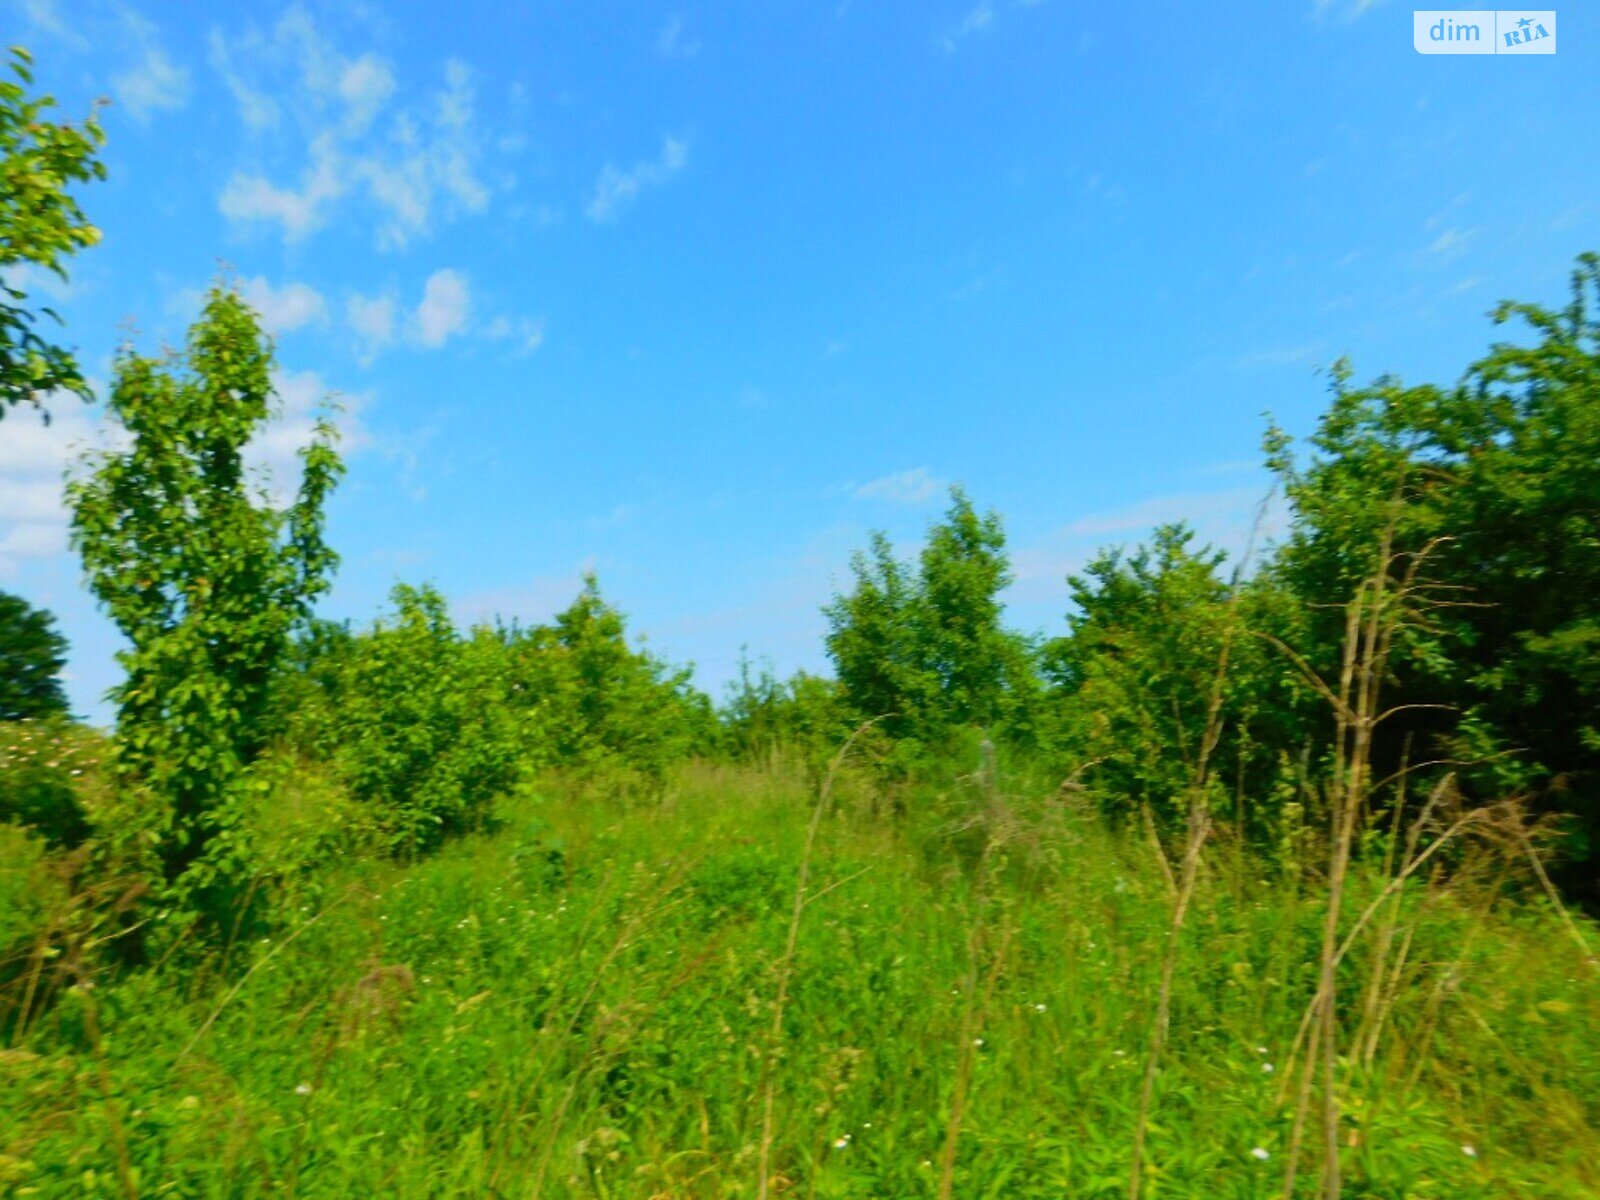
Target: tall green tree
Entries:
(600, 699)
(1133, 680)
(41, 226)
(1500, 474)
(203, 575)
(32, 654)
(927, 644)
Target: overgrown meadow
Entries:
(583, 1004)
(1262, 877)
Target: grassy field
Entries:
(583, 1003)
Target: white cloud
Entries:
(46, 16)
(413, 160)
(526, 333)
(258, 109)
(300, 211)
(274, 453)
(979, 19)
(365, 85)
(154, 83)
(284, 309)
(1452, 243)
(446, 302)
(615, 189)
(916, 486)
(34, 458)
(671, 42)
(373, 318)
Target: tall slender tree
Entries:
(203, 575)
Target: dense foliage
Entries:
(41, 226)
(418, 909)
(32, 653)
(203, 575)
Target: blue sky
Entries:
(696, 295)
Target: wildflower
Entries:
(302, 1089)
(1470, 1150)
(1267, 1067)
(1038, 1008)
(978, 1042)
(1260, 1153)
(1261, 1049)
(840, 1143)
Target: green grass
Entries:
(579, 1005)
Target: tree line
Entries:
(1432, 613)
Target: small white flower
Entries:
(302, 1089)
(1470, 1151)
(978, 1042)
(1261, 1049)
(840, 1143)
(1038, 1008)
(1267, 1067)
(1260, 1153)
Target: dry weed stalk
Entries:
(1382, 607)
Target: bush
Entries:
(46, 770)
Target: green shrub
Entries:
(46, 770)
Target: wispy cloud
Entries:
(273, 455)
(154, 83)
(1452, 243)
(1275, 356)
(615, 189)
(979, 19)
(526, 334)
(373, 319)
(916, 486)
(673, 41)
(1343, 10)
(415, 162)
(287, 308)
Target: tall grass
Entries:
(582, 1004)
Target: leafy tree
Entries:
(41, 225)
(1133, 680)
(202, 574)
(972, 658)
(803, 715)
(32, 654)
(873, 640)
(929, 647)
(598, 700)
(413, 716)
(1502, 473)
